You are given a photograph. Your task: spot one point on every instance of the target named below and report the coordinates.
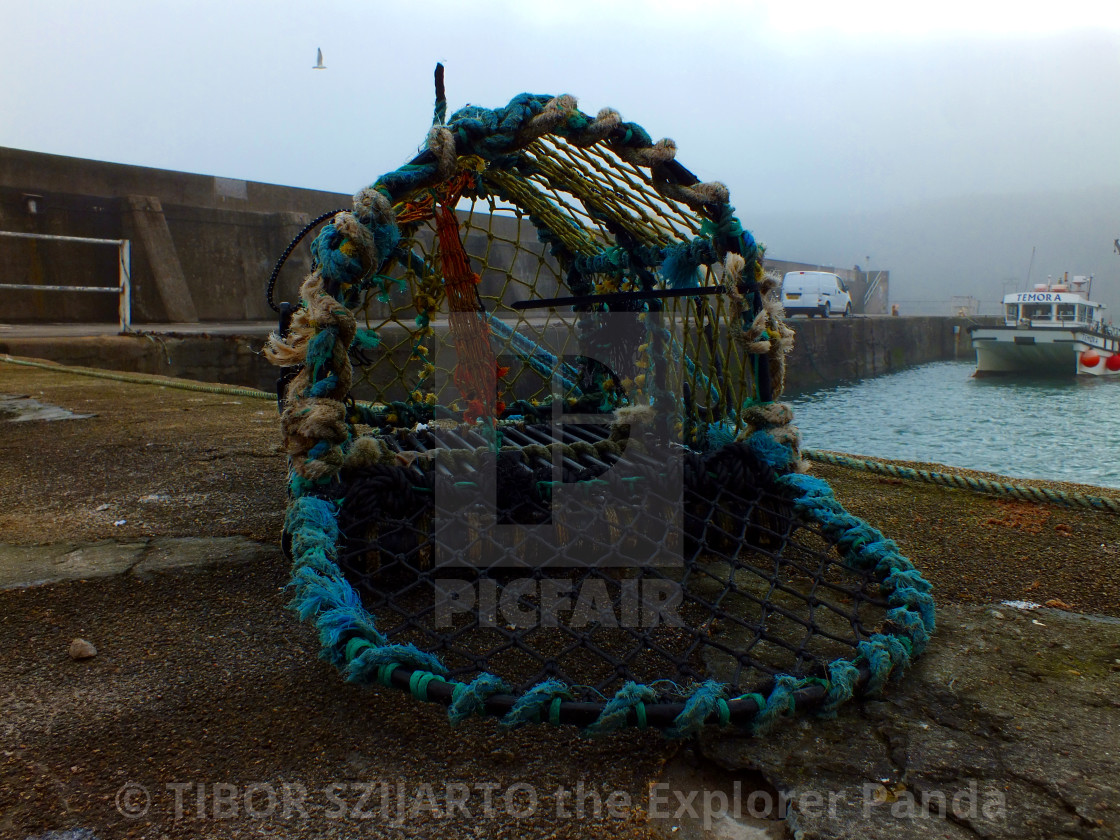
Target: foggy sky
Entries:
(843, 130)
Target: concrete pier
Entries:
(846, 349)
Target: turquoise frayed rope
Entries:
(842, 679)
(631, 697)
(470, 698)
(700, 705)
(531, 705)
(779, 703)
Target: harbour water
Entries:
(1057, 429)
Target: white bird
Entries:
(319, 59)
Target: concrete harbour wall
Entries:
(829, 351)
(202, 246)
(825, 352)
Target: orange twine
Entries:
(476, 369)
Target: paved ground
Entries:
(206, 714)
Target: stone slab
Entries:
(35, 565)
(185, 552)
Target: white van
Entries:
(815, 293)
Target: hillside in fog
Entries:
(972, 245)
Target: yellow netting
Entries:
(590, 200)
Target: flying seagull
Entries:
(319, 61)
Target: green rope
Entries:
(964, 482)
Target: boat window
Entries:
(1082, 313)
(1038, 311)
(1012, 312)
(1066, 311)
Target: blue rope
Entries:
(365, 339)
(679, 268)
(543, 362)
(317, 593)
(335, 266)
(918, 629)
(914, 599)
(615, 711)
(338, 626)
(612, 260)
(681, 261)
(842, 676)
(326, 598)
(883, 654)
(320, 350)
(312, 526)
(529, 705)
(470, 698)
(700, 705)
(777, 456)
(865, 547)
(363, 669)
(322, 388)
(780, 703)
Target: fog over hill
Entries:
(975, 245)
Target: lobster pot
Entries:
(538, 466)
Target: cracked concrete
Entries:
(1009, 727)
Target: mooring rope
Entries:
(967, 482)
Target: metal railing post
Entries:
(126, 285)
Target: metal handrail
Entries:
(124, 265)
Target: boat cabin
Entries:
(1062, 306)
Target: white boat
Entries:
(1054, 329)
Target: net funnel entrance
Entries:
(537, 465)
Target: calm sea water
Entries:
(1059, 429)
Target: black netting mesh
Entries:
(596, 566)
